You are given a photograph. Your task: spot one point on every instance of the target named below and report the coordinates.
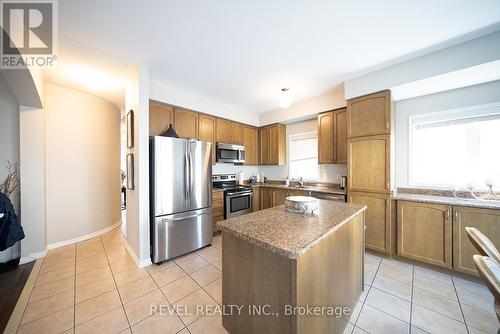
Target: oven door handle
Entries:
(239, 193)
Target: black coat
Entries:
(10, 229)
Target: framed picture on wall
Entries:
(130, 129)
(130, 171)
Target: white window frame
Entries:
(299, 136)
(457, 113)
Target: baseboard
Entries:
(84, 237)
(140, 263)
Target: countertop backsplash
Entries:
(327, 173)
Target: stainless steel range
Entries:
(237, 198)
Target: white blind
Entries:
(455, 151)
(303, 156)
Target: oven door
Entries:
(238, 203)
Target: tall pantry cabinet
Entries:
(369, 165)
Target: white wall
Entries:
(332, 99)
(458, 98)
(82, 163)
(327, 173)
(467, 54)
(32, 168)
(137, 99)
(167, 93)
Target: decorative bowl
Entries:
(302, 204)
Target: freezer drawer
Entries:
(181, 233)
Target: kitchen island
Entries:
(283, 272)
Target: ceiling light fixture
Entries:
(285, 101)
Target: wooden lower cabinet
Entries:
(256, 199)
(278, 196)
(425, 232)
(217, 208)
(270, 197)
(485, 220)
(379, 227)
(265, 198)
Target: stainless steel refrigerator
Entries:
(181, 196)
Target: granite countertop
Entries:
(326, 190)
(287, 233)
(494, 204)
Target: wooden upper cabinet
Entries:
(369, 115)
(485, 220)
(379, 229)
(264, 146)
(160, 117)
(340, 136)
(369, 164)
(206, 131)
(325, 138)
(223, 131)
(186, 123)
(236, 133)
(424, 232)
(277, 145)
(250, 141)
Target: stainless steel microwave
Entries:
(230, 153)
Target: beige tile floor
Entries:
(95, 287)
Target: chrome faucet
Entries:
(300, 180)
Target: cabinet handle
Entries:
(456, 214)
(447, 214)
(387, 125)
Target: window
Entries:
(303, 156)
(455, 148)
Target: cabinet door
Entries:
(160, 117)
(265, 198)
(424, 232)
(325, 138)
(486, 221)
(236, 133)
(186, 123)
(277, 142)
(369, 164)
(223, 131)
(369, 115)
(278, 196)
(256, 199)
(250, 141)
(217, 208)
(264, 146)
(206, 131)
(340, 136)
(299, 193)
(378, 233)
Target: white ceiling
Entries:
(243, 52)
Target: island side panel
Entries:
(331, 274)
(252, 275)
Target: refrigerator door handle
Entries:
(191, 173)
(186, 175)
